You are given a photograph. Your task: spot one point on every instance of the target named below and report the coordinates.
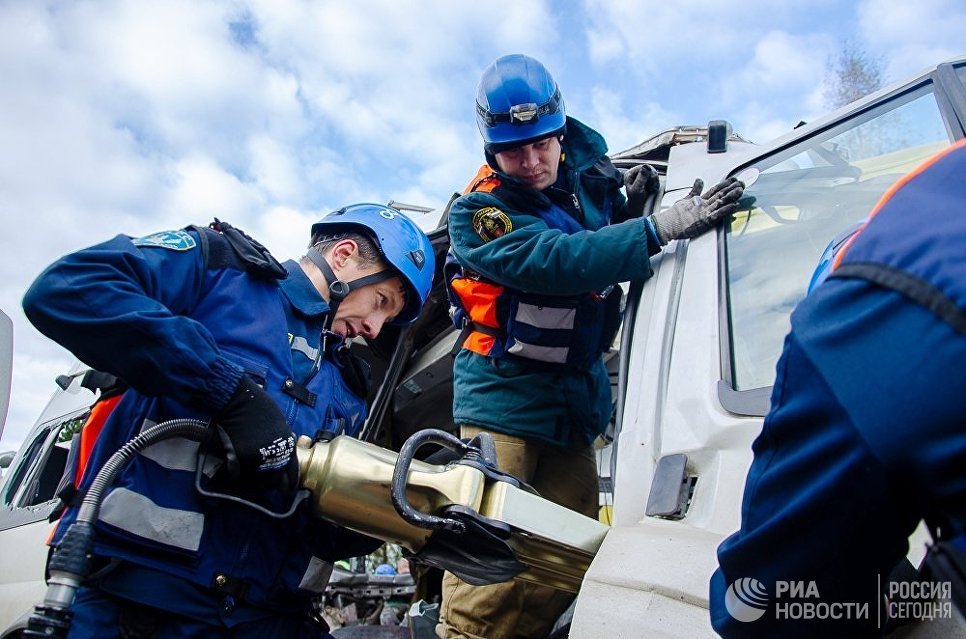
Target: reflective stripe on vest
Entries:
(138, 515)
(129, 511)
(550, 354)
(316, 576)
(175, 453)
(548, 318)
(553, 330)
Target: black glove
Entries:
(696, 213)
(639, 182)
(258, 442)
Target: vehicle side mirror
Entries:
(6, 459)
(718, 133)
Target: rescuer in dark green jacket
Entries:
(540, 241)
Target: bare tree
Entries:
(852, 74)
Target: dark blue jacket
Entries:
(179, 319)
(866, 436)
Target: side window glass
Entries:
(803, 197)
(16, 475)
(34, 478)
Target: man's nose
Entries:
(529, 156)
(371, 328)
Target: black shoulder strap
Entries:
(915, 288)
(216, 249)
(225, 246)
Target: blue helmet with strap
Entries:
(402, 244)
(518, 102)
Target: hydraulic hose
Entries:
(189, 428)
(71, 560)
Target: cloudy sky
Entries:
(130, 116)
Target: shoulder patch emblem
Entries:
(491, 223)
(171, 240)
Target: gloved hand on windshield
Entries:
(258, 443)
(639, 182)
(696, 213)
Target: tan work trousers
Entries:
(514, 609)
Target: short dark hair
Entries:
(369, 251)
(492, 148)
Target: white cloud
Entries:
(204, 189)
(648, 37)
(784, 69)
(913, 35)
(782, 62)
(275, 169)
(284, 231)
(707, 59)
(760, 124)
(609, 114)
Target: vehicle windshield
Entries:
(803, 197)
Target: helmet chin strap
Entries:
(340, 289)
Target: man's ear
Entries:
(341, 252)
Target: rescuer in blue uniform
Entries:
(203, 323)
(865, 437)
(539, 241)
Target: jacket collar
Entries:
(301, 293)
(582, 145)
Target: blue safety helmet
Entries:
(402, 244)
(518, 102)
(824, 268)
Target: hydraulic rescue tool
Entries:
(464, 515)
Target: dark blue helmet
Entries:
(518, 102)
(402, 244)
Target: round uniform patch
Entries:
(491, 223)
